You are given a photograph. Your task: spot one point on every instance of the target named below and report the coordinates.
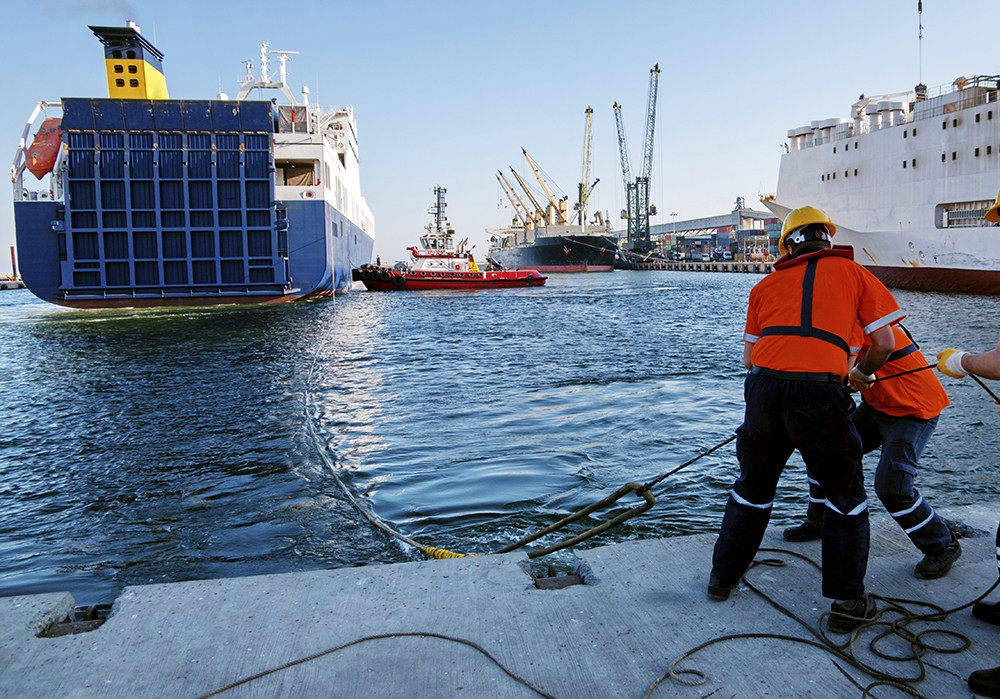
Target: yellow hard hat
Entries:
(993, 215)
(798, 218)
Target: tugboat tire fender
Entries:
(398, 282)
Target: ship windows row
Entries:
(826, 177)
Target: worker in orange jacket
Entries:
(899, 415)
(800, 321)
(958, 364)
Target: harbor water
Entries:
(175, 444)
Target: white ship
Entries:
(907, 180)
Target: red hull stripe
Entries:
(969, 281)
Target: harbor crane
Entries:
(584, 189)
(637, 207)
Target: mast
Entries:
(584, 188)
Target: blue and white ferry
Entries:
(141, 200)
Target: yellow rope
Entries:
(443, 553)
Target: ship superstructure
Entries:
(154, 201)
(907, 178)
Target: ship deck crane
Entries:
(638, 209)
(539, 209)
(515, 201)
(559, 208)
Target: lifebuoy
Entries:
(398, 282)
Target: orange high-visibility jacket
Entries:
(801, 317)
(919, 394)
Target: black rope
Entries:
(908, 371)
(415, 634)
(656, 480)
(894, 628)
(994, 396)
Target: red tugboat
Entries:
(440, 264)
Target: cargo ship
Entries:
(141, 200)
(542, 238)
(907, 179)
(553, 248)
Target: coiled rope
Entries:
(894, 619)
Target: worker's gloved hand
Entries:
(859, 381)
(950, 363)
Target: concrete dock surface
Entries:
(478, 627)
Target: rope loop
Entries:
(637, 488)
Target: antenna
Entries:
(920, 40)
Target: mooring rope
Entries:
(896, 627)
(320, 448)
(376, 637)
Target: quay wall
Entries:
(685, 266)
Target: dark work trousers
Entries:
(813, 417)
(902, 440)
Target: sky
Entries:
(446, 93)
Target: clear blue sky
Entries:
(447, 92)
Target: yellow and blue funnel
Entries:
(135, 66)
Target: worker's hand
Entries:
(859, 381)
(950, 363)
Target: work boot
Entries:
(986, 682)
(936, 565)
(987, 611)
(717, 590)
(845, 617)
(806, 531)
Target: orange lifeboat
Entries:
(43, 150)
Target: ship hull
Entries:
(907, 186)
(385, 279)
(560, 253)
(319, 264)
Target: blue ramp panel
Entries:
(169, 199)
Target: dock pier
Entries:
(686, 266)
(481, 626)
